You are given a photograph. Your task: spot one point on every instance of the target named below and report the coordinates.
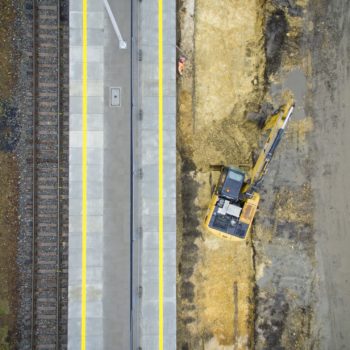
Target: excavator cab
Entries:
(230, 183)
(230, 215)
(235, 199)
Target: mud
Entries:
(275, 36)
(284, 233)
(329, 104)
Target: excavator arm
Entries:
(276, 124)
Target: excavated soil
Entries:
(222, 82)
(243, 59)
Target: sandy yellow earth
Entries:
(229, 60)
(223, 80)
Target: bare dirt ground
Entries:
(9, 173)
(8, 249)
(278, 291)
(302, 269)
(329, 103)
(215, 289)
(283, 235)
(224, 79)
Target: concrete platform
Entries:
(120, 261)
(149, 161)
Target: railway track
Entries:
(49, 299)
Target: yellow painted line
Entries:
(160, 171)
(84, 180)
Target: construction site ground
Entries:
(274, 290)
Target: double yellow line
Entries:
(160, 175)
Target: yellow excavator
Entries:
(235, 199)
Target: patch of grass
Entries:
(4, 307)
(8, 248)
(4, 345)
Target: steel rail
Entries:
(35, 221)
(58, 262)
(34, 111)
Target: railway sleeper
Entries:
(45, 169)
(46, 300)
(47, 214)
(43, 147)
(49, 94)
(47, 347)
(45, 330)
(47, 51)
(49, 44)
(49, 239)
(47, 149)
(52, 270)
(48, 36)
(43, 233)
(47, 7)
(47, 27)
(46, 227)
(42, 311)
(46, 342)
(50, 64)
(41, 262)
(48, 84)
(45, 103)
(44, 179)
(51, 293)
(46, 221)
(47, 123)
(47, 182)
(48, 209)
(42, 94)
(46, 310)
(46, 286)
(51, 235)
(48, 15)
(41, 244)
(46, 271)
(49, 116)
(47, 172)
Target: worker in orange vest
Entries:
(181, 64)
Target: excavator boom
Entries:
(277, 123)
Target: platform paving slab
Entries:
(109, 236)
(95, 137)
(149, 162)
